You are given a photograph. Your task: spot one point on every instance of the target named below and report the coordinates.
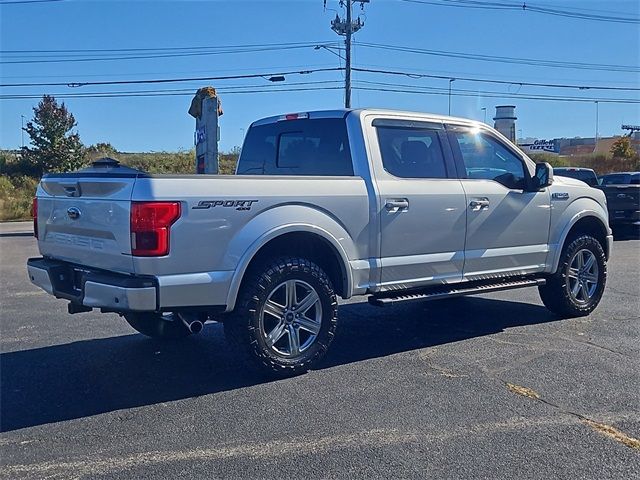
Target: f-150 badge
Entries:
(237, 204)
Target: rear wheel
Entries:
(285, 318)
(165, 326)
(577, 287)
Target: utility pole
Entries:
(22, 129)
(347, 43)
(347, 27)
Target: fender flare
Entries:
(597, 213)
(295, 227)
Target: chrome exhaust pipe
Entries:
(193, 325)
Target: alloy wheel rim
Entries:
(582, 276)
(291, 318)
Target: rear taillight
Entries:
(34, 214)
(150, 226)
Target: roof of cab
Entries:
(343, 112)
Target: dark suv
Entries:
(623, 199)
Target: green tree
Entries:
(55, 148)
(100, 149)
(622, 148)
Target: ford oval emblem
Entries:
(73, 212)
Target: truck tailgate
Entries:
(85, 220)
(622, 197)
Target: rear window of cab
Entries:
(297, 147)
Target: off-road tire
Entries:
(152, 325)
(242, 327)
(555, 293)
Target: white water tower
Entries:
(505, 121)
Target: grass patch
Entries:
(18, 183)
(524, 391)
(182, 162)
(601, 164)
(615, 434)
(16, 196)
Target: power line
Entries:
(501, 59)
(528, 7)
(163, 49)
(500, 82)
(495, 94)
(16, 2)
(189, 91)
(414, 75)
(558, 99)
(384, 87)
(490, 76)
(170, 80)
(170, 52)
(306, 65)
(408, 74)
(171, 94)
(234, 50)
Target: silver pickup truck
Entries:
(395, 205)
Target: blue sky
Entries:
(162, 123)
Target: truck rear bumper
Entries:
(94, 288)
(89, 287)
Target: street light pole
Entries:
(451, 80)
(597, 114)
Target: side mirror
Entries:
(543, 177)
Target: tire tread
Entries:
(554, 294)
(241, 333)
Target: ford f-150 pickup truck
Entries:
(395, 205)
(623, 198)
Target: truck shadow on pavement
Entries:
(16, 234)
(90, 377)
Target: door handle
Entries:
(479, 204)
(397, 205)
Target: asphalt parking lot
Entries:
(484, 387)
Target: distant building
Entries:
(569, 147)
(505, 121)
(539, 146)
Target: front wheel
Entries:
(577, 286)
(286, 316)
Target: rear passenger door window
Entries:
(411, 152)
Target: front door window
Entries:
(486, 158)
